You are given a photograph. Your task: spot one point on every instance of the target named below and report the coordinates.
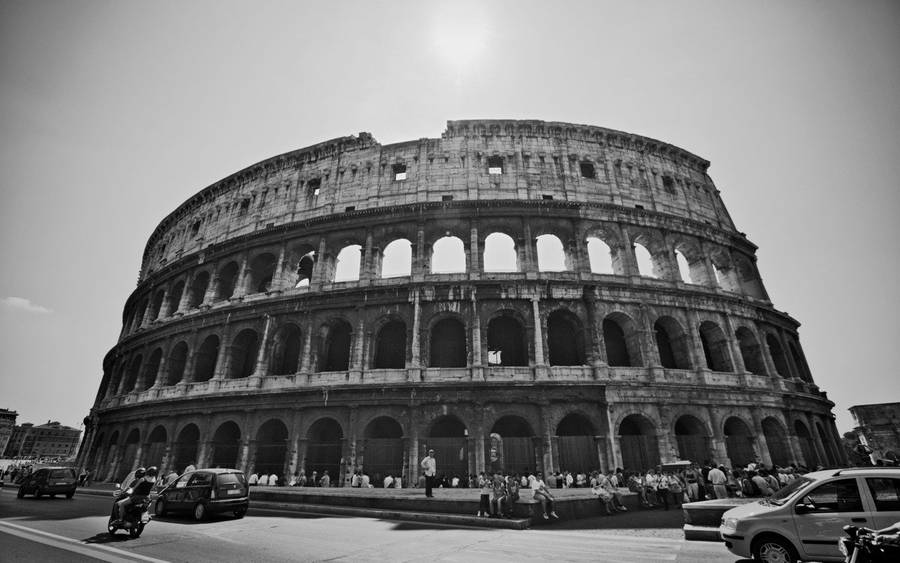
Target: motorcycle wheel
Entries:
(199, 512)
(110, 527)
(160, 508)
(136, 531)
(774, 550)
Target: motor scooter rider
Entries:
(890, 535)
(140, 489)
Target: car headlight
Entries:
(730, 524)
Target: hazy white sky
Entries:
(113, 113)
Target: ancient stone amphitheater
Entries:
(518, 294)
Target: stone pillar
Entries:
(693, 330)
(242, 284)
(415, 362)
(223, 360)
(302, 448)
(737, 359)
(367, 273)
(244, 457)
(539, 357)
(817, 441)
(530, 262)
(320, 267)
(278, 281)
(718, 438)
(205, 453)
(836, 440)
(476, 263)
(359, 341)
(420, 260)
(477, 352)
(546, 439)
(213, 287)
(762, 444)
(262, 357)
(166, 459)
(182, 304)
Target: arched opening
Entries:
(776, 440)
(227, 281)
(799, 361)
(383, 453)
(271, 448)
(390, 346)
(684, 267)
(725, 276)
(565, 340)
(715, 347)
(778, 357)
(551, 254)
(348, 261)
(207, 354)
(186, 446)
(622, 341)
(199, 285)
(644, 261)
(506, 342)
(750, 351)
(226, 445)
(156, 304)
(139, 315)
(448, 438)
(807, 446)
(672, 344)
(448, 344)
(738, 442)
(244, 349)
(511, 446)
(286, 350)
(177, 363)
(151, 370)
(448, 256)
(692, 438)
(324, 449)
(638, 443)
(262, 271)
(397, 259)
(305, 269)
(335, 349)
(174, 299)
(576, 444)
(132, 442)
(131, 374)
(500, 253)
(156, 447)
(600, 256)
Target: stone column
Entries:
(244, 457)
(262, 357)
(414, 372)
(213, 287)
(737, 359)
(530, 267)
(762, 444)
(242, 284)
(302, 448)
(182, 304)
(278, 283)
(420, 261)
(818, 444)
(306, 358)
(539, 357)
(320, 267)
(366, 273)
(718, 437)
(547, 439)
(664, 439)
(223, 360)
(477, 352)
(476, 263)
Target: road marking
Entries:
(89, 549)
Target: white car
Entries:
(804, 520)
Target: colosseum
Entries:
(517, 294)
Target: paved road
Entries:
(74, 530)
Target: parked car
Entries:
(804, 520)
(204, 492)
(49, 481)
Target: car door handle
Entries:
(857, 519)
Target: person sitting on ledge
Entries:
(542, 494)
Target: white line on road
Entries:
(113, 555)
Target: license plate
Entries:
(61, 483)
(233, 492)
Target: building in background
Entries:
(878, 428)
(513, 294)
(7, 424)
(45, 441)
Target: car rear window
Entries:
(228, 478)
(62, 474)
(886, 493)
(200, 479)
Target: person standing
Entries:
(429, 464)
(717, 479)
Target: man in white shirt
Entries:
(717, 479)
(388, 481)
(542, 495)
(254, 480)
(429, 464)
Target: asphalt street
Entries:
(75, 530)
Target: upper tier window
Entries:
(399, 171)
(495, 165)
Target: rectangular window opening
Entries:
(350, 208)
(547, 197)
(314, 186)
(446, 198)
(399, 172)
(588, 170)
(495, 165)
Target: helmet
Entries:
(152, 471)
(139, 472)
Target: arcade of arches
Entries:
(467, 439)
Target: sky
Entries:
(113, 113)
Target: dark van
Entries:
(50, 481)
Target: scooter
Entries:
(865, 546)
(135, 518)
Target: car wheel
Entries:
(239, 513)
(70, 494)
(200, 512)
(21, 492)
(774, 550)
(160, 508)
(38, 493)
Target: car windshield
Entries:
(785, 493)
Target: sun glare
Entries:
(460, 43)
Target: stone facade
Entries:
(44, 441)
(515, 293)
(7, 423)
(878, 427)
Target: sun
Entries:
(458, 42)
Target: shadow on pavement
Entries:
(104, 537)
